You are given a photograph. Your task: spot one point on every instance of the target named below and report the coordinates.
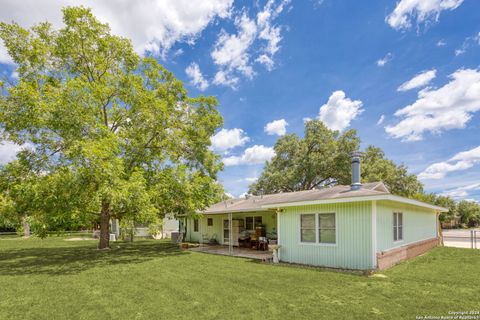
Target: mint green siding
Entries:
(418, 224)
(353, 249)
(269, 220)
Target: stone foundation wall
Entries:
(386, 259)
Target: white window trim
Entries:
(253, 222)
(316, 243)
(403, 229)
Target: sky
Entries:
(404, 73)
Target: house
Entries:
(361, 226)
(170, 224)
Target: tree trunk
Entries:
(26, 227)
(104, 226)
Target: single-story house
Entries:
(361, 226)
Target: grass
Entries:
(57, 279)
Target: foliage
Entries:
(469, 213)
(322, 158)
(112, 134)
(155, 227)
(375, 167)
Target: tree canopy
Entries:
(110, 134)
(322, 158)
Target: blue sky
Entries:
(405, 74)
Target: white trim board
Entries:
(389, 197)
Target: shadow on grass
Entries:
(71, 260)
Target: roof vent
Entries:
(356, 185)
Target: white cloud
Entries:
(435, 110)
(461, 161)
(153, 25)
(383, 61)
(278, 127)
(306, 119)
(8, 151)
(227, 139)
(196, 76)
(419, 11)
(441, 43)
(462, 192)
(234, 53)
(467, 43)
(248, 179)
(257, 154)
(231, 50)
(420, 80)
(381, 119)
(339, 111)
(229, 195)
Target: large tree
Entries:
(113, 134)
(322, 158)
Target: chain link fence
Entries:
(461, 238)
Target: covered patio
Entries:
(234, 251)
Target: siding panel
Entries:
(353, 249)
(418, 224)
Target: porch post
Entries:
(200, 228)
(230, 236)
(278, 233)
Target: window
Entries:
(307, 228)
(326, 228)
(397, 226)
(210, 222)
(195, 225)
(252, 222)
(318, 228)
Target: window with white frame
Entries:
(326, 228)
(195, 225)
(252, 222)
(307, 228)
(318, 228)
(397, 226)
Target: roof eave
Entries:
(260, 209)
(358, 199)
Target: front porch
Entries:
(234, 252)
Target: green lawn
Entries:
(57, 279)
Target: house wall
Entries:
(353, 248)
(418, 224)
(268, 219)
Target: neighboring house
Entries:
(352, 227)
(170, 224)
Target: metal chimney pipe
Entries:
(356, 170)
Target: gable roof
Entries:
(336, 194)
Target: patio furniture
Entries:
(262, 244)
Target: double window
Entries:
(318, 228)
(397, 226)
(252, 222)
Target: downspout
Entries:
(439, 229)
